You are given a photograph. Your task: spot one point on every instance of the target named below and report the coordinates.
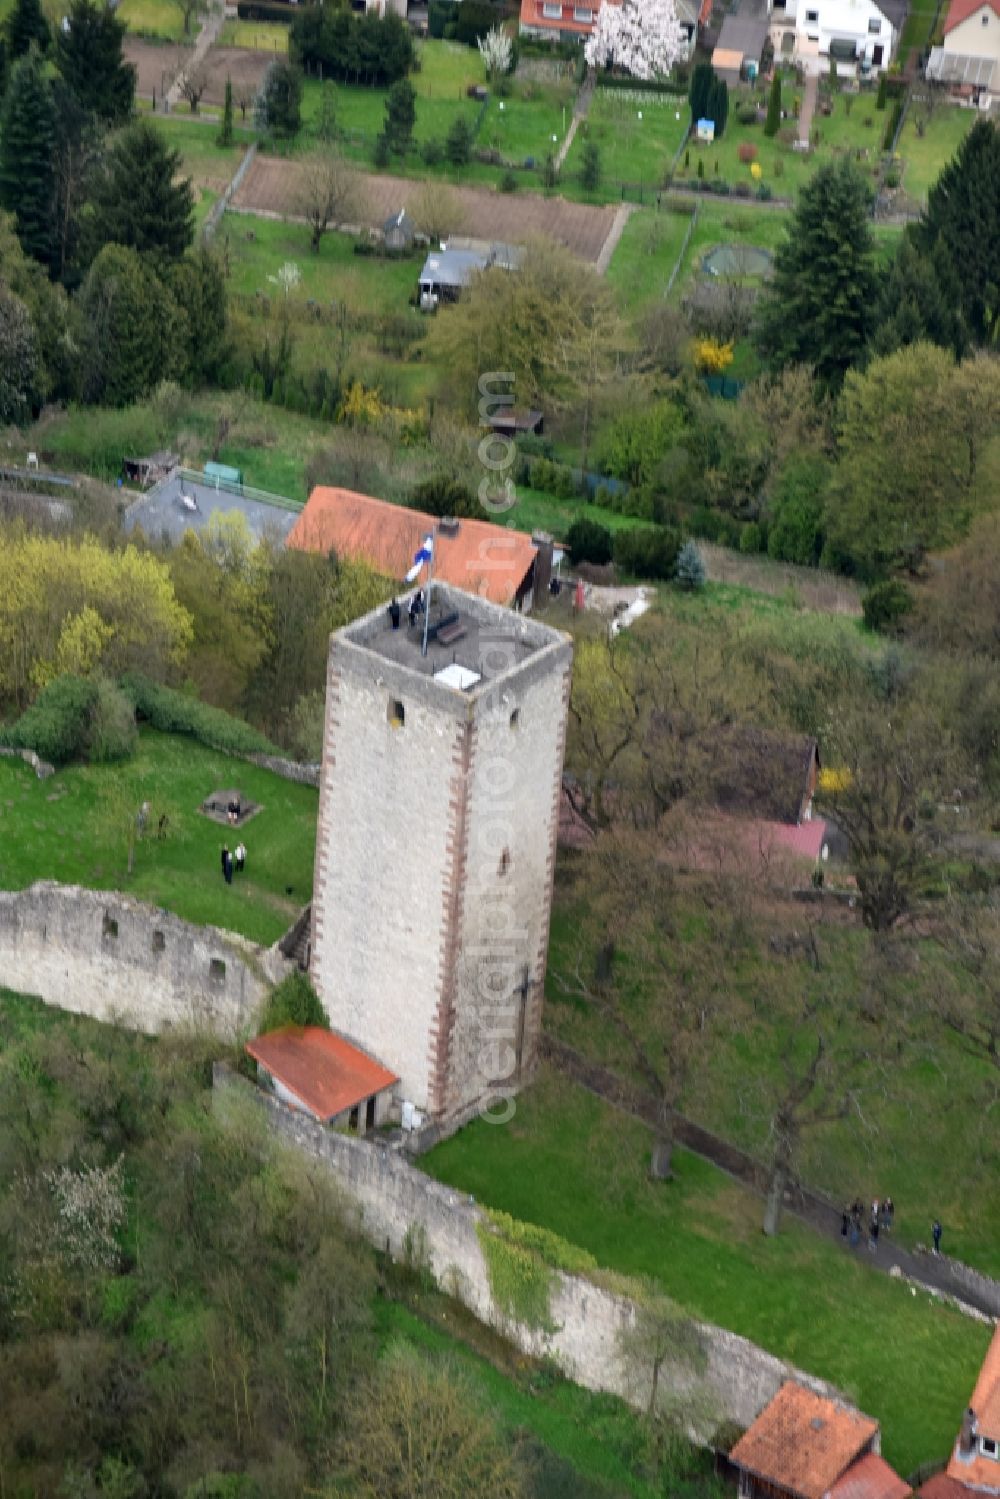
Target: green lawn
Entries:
(537, 511)
(522, 126)
(366, 283)
(728, 224)
(61, 829)
(204, 160)
(925, 155)
(155, 18)
(577, 1166)
(917, 28)
(633, 149)
(445, 71)
(645, 256)
(258, 36)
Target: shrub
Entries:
(293, 1002)
(892, 125)
(885, 604)
(751, 539)
(380, 156)
(892, 180)
(57, 724)
(175, 713)
(747, 114)
(508, 182)
(442, 495)
(589, 541)
(112, 733)
(795, 533)
(747, 152)
(647, 552)
(432, 151)
(883, 91)
(690, 568)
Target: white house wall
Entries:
(977, 36)
(844, 20)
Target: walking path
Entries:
(210, 28)
(580, 109)
(808, 108)
(615, 233)
(935, 1272)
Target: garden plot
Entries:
(156, 65)
(637, 133)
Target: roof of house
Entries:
(480, 557)
(870, 1478)
(326, 1073)
(760, 772)
(973, 1469)
(961, 10)
(726, 61)
(533, 14)
(943, 1487)
(803, 1442)
(743, 34)
(400, 220)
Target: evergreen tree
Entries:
(690, 571)
(400, 116)
(458, 142)
(717, 105)
(26, 26)
(701, 82)
(27, 172)
(134, 333)
(773, 122)
(199, 289)
(225, 136)
(590, 171)
(919, 302)
(19, 360)
(89, 57)
(961, 229)
(138, 201)
(278, 105)
(819, 307)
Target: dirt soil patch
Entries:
(245, 66)
(273, 185)
(156, 65)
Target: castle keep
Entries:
(439, 797)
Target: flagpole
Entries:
(427, 601)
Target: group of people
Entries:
(879, 1217)
(235, 860)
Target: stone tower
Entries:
(439, 804)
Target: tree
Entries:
(660, 1333)
(717, 106)
(915, 305)
(913, 490)
(277, 108)
(969, 997)
(26, 28)
(193, 83)
(458, 142)
(20, 372)
(690, 568)
(497, 51)
(27, 139)
(437, 210)
(644, 39)
(48, 307)
(189, 9)
(590, 170)
(773, 122)
(332, 193)
(400, 116)
(134, 332)
(89, 57)
(199, 288)
(140, 199)
(536, 321)
(819, 307)
(77, 152)
(702, 79)
(225, 136)
(550, 173)
(326, 123)
(961, 230)
(795, 508)
(414, 1428)
(589, 541)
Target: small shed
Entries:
(399, 231)
(312, 1070)
(150, 470)
(705, 130)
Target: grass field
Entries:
(728, 224)
(206, 162)
(64, 829)
(925, 156)
(535, 510)
(645, 256)
(155, 18)
(257, 35)
(258, 246)
(637, 134)
(575, 1165)
(916, 32)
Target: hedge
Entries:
(176, 713)
(57, 725)
(653, 86)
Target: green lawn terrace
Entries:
(928, 142)
(161, 20)
(854, 127)
(446, 70)
(68, 828)
(579, 1167)
(256, 36)
(638, 134)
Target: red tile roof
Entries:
(802, 1442)
(943, 1487)
(870, 1478)
(983, 1473)
(961, 10)
(326, 1073)
(481, 558)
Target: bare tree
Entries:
(437, 210)
(331, 193)
(969, 997)
(193, 83)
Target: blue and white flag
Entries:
(424, 555)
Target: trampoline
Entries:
(737, 260)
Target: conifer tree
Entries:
(89, 57)
(27, 170)
(26, 25)
(141, 201)
(773, 121)
(226, 132)
(690, 568)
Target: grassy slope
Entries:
(577, 1166)
(58, 829)
(925, 156)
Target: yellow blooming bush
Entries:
(711, 356)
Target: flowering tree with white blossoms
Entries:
(642, 36)
(496, 50)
